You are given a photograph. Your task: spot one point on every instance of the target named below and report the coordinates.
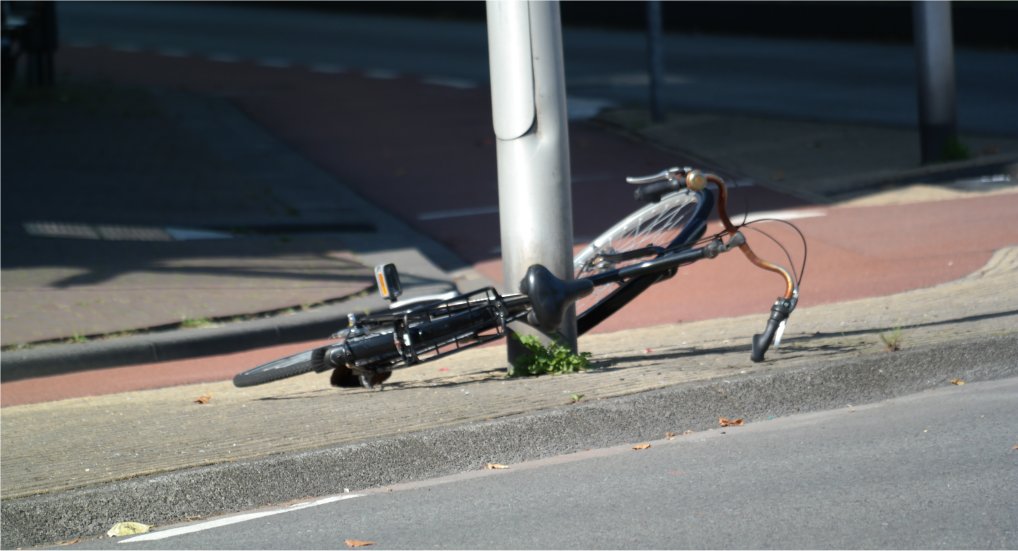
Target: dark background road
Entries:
(930, 470)
(805, 78)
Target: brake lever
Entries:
(666, 174)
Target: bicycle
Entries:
(641, 250)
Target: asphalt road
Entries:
(821, 80)
(930, 470)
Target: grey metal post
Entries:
(655, 58)
(529, 112)
(935, 62)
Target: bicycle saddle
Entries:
(550, 296)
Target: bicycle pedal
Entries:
(387, 281)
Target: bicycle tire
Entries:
(292, 365)
(678, 219)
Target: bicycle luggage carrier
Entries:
(450, 326)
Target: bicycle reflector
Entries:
(387, 280)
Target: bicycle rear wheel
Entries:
(295, 364)
(678, 219)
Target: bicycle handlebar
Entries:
(784, 305)
(673, 179)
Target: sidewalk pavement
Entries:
(124, 245)
(72, 468)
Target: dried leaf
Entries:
(358, 543)
(670, 435)
(957, 382)
(493, 466)
(641, 446)
(203, 399)
(687, 432)
(726, 422)
(127, 529)
(70, 542)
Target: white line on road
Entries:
(784, 215)
(201, 526)
(457, 83)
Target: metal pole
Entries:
(529, 113)
(655, 58)
(935, 61)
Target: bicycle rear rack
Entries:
(450, 326)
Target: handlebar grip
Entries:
(653, 192)
(762, 341)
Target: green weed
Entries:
(892, 340)
(541, 359)
(196, 323)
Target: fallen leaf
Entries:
(70, 542)
(1015, 447)
(641, 446)
(648, 350)
(687, 432)
(127, 529)
(203, 399)
(726, 422)
(493, 466)
(957, 382)
(358, 543)
(670, 435)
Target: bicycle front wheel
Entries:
(676, 220)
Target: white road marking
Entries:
(217, 523)
(794, 214)
(457, 83)
(193, 234)
(586, 108)
(457, 213)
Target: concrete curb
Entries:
(211, 490)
